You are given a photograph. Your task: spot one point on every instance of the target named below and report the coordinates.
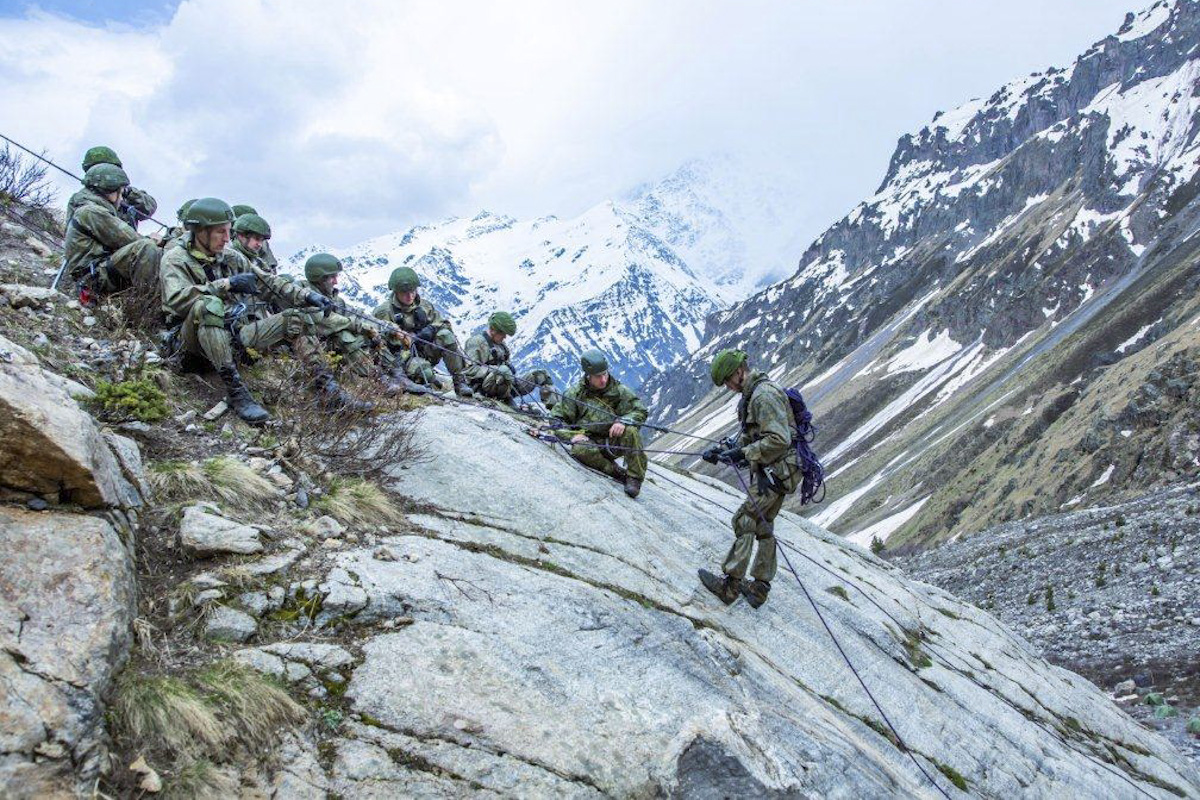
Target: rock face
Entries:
(67, 599)
(54, 449)
(1016, 247)
(206, 533)
(557, 643)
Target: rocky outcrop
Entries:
(538, 633)
(205, 533)
(66, 603)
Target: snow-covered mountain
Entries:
(636, 278)
(953, 329)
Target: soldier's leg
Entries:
(590, 455)
(538, 379)
(204, 333)
(299, 330)
(354, 352)
(764, 566)
(449, 353)
(418, 369)
(136, 264)
(737, 560)
(635, 458)
(497, 384)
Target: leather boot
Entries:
(461, 388)
(239, 397)
(334, 396)
(756, 592)
(633, 486)
(727, 588)
(399, 383)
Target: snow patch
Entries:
(888, 525)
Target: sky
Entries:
(342, 121)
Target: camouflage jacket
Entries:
(595, 410)
(355, 325)
(95, 230)
(411, 318)
(251, 257)
(268, 257)
(136, 205)
(768, 426)
(482, 355)
(187, 274)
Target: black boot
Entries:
(239, 397)
(756, 592)
(399, 383)
(334, 396)
(633, 486)
(727, 589)
(460, 386)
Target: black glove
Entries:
(712, 455)
(734, 456)
(319, 300)
(243, 283)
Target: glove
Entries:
(712, 455)
(734, 456)
(243, 283)
(319, 300)
(426, 334)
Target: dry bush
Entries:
(257, 706)
(355, 501)
(200, 779)
(222, 478)
(23, 181)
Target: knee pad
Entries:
(298, 323)
(445, 337)
(210, 312)
(419, 370)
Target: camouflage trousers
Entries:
(629, 444)
(754, 520)
(418, 366)
(500, 383)
(204, 333)
(135, 264)
(352, 347)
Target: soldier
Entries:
(348, 335)
(488, 369)
(136, 205)
(432, 339)
(601, 412)
(201, 281)
(104, 253)
(250, 234)
(766, 445)
(268, 258)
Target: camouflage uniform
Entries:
(489, 372)
(592, 412)
(768, 430)
(418, 366)
(98, 236)
(346, 334)
(136, 205)
(195, 295)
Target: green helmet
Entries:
(403, 279)
(252, 223)
(105, 178)
(207, 211)
(183, 209)
(241, 209)
(100, 155)
(593, 362)
(724, 364)
(503, 321)
(321, 266)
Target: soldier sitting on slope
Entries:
(489, 370)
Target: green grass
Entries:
(139, 399)
(355, 501)
(953, 776)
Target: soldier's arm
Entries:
(142, 202)
(769, 408)
(105, 228)
(475, 356)
(632, 410)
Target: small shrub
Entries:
(877, 546)
(1050, 598)
(236, 482)
(838, 591)
(139, 399)
(166, 713)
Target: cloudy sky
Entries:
(341, 121)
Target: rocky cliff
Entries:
(1017, 247)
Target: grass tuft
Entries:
(165, 713)
(355, 501)
(236, 483)
(258, 706)
(201, 778)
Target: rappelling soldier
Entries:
(425, 336)
(489, 369)
(135, 205)
(766, 446)
(104, 253)
(202, 285)
(601, 416)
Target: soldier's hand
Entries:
(712, 455)
(617, 430)
(319, 300)
(157, 236)
(578, 438)
(243, 283)
(372, 334)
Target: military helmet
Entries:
(724, 364)
(100, 155)
(321, 266)
(183, 209)
(207, 211)
(403, 279)
(241, 209)
(105, 178)
(503, 321)
(593, 362)
(252, 223)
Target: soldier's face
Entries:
(497, 336)
(213, 238)
(598, 381)
(251, 241)
(736, 381)
(406, 298)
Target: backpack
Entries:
(813, 473)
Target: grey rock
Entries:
(225, 624)
(276, 563)
(205, 533)
(319, 656)
(256, 603)
(22, 296)
(216, 411)
(1125, 687)
(326, 526)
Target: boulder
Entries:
(206, 533)
(225, 624)
(52, 446)
(22, 296)
(67, 600)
